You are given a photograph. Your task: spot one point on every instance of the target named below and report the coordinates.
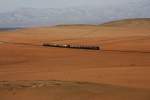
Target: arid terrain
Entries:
(119, 71)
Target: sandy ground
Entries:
(119, 71)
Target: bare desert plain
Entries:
(120, 70)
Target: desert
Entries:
(120, 70)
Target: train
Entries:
(71, 46)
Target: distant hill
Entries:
(142, 22)
(9, 29)
(76, 25)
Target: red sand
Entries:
(123, 61)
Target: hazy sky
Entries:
(7, 5)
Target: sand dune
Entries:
(120, 70)
(140, 22)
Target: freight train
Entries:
(71, 46)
